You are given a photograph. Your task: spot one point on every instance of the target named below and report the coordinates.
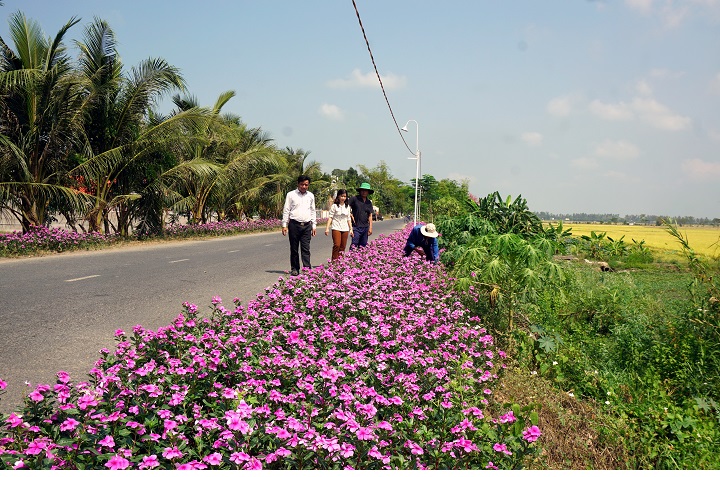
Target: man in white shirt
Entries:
(300, 221)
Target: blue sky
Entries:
(607, 106)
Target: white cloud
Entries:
(644, 6)
(617, 150)
(672, 13)
(673, 16)
(369, 80)
(532, 138)
(588, 163)
(561, 106)
(659, 116)
(611, 112)
(331, 111)
(647, 110)
(701, 170)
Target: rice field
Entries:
(704, 240)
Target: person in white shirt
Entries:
(340, 221)
(299, 222)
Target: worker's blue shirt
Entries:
(428, 244)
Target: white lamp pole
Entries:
(416, 212)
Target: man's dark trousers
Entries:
(300, 234)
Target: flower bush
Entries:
(43, 239)
(225, 227)
(369, 362)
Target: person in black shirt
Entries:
(362, 209)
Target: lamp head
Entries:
(404, 128)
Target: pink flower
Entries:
(467, 445)
(117, 462)
(283, 452)
(491, 466)
(14, 420)
(415, 449)
(396, 400)
(149, 462)
(213, 459)
(3, 384)
(36, 447)
(36, 396)
(239, 457)
(347, 450)
(253, 464)
(107, 441)
(498, 447)
(531, 434)
(171, 452)
(505, 418)
(69, 424)
(235, 423)
(364, 434)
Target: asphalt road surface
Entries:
(57, 312)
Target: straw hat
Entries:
(429, 230)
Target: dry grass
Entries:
(570, 439)
(703, 239)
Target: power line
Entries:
(379, 79)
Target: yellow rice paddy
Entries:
(704, 240)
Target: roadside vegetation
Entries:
(625, 362)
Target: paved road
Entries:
(57, 312)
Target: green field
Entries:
(704, 240)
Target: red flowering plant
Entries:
(369, 362)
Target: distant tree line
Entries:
(641, 219)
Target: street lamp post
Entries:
(416, 212)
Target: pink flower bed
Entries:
(370, 362)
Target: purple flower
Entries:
(149, 462)
(117, 462)
(69, 424)
(498, 447)
(172, 453)
(213, 459)
(531, 434)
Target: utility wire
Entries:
(379, 79)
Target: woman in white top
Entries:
(340, 220)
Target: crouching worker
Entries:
(423, 240)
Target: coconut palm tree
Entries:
(119, 104)
(272, 187)
(224, 160)
(42, 103)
